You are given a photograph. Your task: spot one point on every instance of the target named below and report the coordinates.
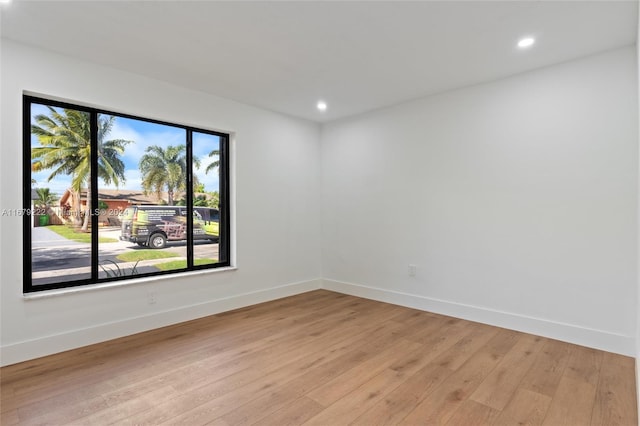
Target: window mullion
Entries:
(93, 208)
(225, 229)
(189, 199)
(28, 220)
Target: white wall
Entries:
(277, 179)
(516, 200)
(638, 270)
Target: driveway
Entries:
(43, 237)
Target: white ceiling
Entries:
(357, 56)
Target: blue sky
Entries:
(143, 134)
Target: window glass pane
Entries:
(60, 179)
(142, 190)
(206, 198)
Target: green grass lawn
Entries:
(138, 255)
(76, 235)
(181, 264)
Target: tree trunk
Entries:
(87, 212)
(170, 197)
(77, 207)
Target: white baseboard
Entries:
(30, 349)
(598, 339)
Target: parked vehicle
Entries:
(153, 226)
(210, 218)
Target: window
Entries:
(112, 197)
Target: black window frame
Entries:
(224, 238)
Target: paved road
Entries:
(54, 256)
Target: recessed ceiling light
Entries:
(321, 105)
(523, 43)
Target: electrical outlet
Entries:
(412, 270)
(151, 297)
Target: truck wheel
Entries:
(157, 241)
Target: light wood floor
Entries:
(323, 358)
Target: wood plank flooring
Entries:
(323, 358)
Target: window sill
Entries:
(71, 290)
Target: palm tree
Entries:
(45, 197)
(65, 139)
(165, 168)
(214, 164)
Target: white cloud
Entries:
(211, 181)
(161, 135)
(57, 185)
(133, 181)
